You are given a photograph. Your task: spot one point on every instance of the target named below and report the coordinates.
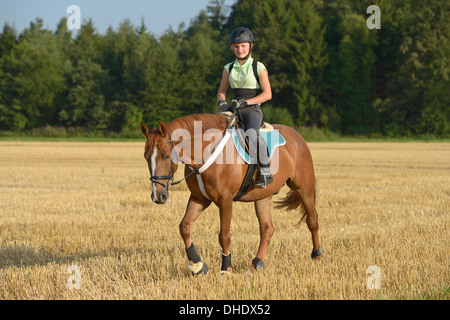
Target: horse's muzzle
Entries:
(161, 197)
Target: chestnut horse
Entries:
(221, 181)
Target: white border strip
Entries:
(218, 149)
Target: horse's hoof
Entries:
(197, 268)
(316, 254)
(228, 271)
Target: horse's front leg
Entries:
(193, 210)
(225, 209)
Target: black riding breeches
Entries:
(253, 120)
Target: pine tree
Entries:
(351, 72)
(326, 68)
(217, 12)
(308, 58)
(202, 66)
(8, 39)
(85, 101)
(161, 99)
(33, 76)
(289, 41)
(414, 67)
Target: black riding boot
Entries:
(265, 176)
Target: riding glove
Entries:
(238, 104)
(224, 106)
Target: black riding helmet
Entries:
(241, 35)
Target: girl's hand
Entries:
(238, 104)
(224, 106)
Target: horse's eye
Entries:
(166, 157)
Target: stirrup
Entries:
(264, 180)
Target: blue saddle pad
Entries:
(272, 138)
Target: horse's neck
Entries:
(195, 144)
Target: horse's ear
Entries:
(144, 129)
(162, 128)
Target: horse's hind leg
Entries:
(193, 210)
(306, 194)
(266, 229)
(312, 220)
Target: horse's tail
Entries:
(292, 201)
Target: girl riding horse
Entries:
(250, 83)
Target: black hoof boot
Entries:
(316, 253)
(226, 264)
(257, 263)
(195, 264)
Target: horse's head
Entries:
(161, 164)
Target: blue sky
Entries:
(158, 15)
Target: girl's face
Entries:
(241, 50)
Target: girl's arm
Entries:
(221, 93)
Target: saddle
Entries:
(271, 136)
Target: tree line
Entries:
(327, 68)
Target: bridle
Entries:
(169, 178)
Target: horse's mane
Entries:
(208, 121)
